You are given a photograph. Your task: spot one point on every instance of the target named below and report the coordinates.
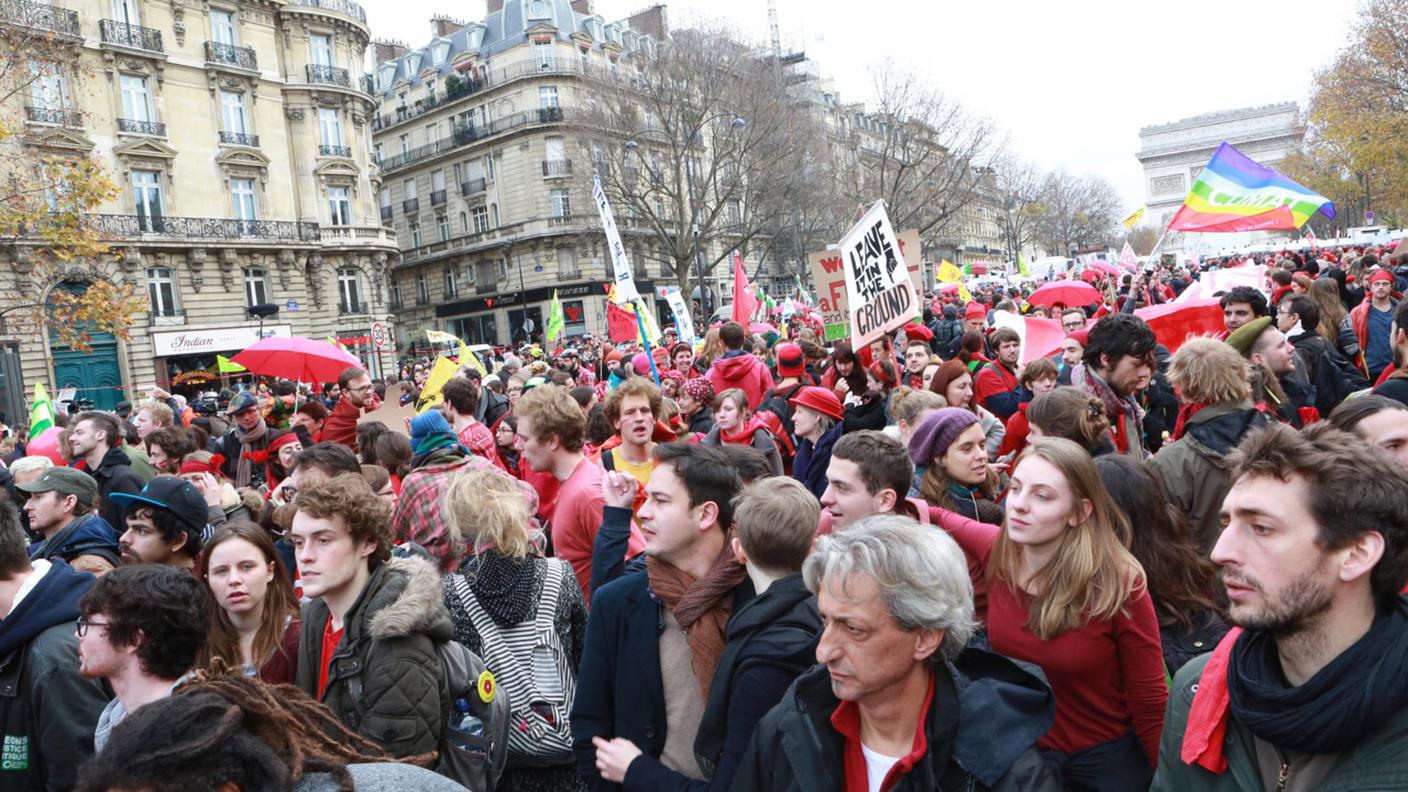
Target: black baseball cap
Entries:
(176, 495)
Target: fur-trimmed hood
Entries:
(403, 598)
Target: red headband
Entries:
(212, 467)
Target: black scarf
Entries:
(507, 588)
(1345, 702)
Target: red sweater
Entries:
(1107, 676)
(341, 425)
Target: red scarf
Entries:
(745, 435)
(1210, 710)
(1186, 410)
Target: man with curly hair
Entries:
(140, 628)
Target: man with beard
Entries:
(249, 435)
(1309, 692)
(916, 359)
(61, 510)
(1118, 363)
(341, 423)
(165, 523)
(96, 439)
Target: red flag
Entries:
(1173, 323)
(744, 303)
(620, 323)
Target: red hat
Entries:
(821, 400)
(791, 362)
(975, 311)
(661, 355)
(1381, 275)
(614, 356)
(918, 332)
(1081, 336)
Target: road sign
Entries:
(378, 335)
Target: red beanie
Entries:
(975, 311)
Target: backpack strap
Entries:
(490, 639)
(608, 459)
(552, 592)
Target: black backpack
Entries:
(778, 404)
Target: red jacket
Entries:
(743, 371)
(995, 387)
(341, 424)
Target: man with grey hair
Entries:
(898, 702)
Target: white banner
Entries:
(879, 293)
(225, 339)
(684, 323)
(625, 284)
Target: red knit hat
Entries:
(918, 332)
(791, 362)
(821, 400)
(1081, 336)
(975, 311)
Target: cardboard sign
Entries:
(830, 280)
(392, 413)
(880, 294)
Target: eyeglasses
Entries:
(84, 623)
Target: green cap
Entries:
(1244, 338)
(66, 480)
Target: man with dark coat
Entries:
(47, 709)
(898, 703)
(96, 439)
(61, 509)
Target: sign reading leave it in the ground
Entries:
(829, 276)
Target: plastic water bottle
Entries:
(466, 730)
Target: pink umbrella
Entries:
(1066, 293)
(298, 359)
(948, 288)
(1108, 269)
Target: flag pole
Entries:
(645, 339)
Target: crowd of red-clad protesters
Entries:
(760, 562)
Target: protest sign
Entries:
(620, 323)
(684, 323)
(620, 266)
(880, 295)
(830, 280)
(392, 413)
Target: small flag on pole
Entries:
(1133, 220)
(41, 415)
(554, 328)
(949, 273)
(1022, 268)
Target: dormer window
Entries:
(412, 64)
(439, 51)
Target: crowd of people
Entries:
(760, 562)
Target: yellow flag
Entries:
(963, 294)
(1133, 220)
(468, 358)
(949, 273)
(430, 395)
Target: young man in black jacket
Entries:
(47, 710)
(899, 704)
(96, 438)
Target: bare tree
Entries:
(919, 151)
(704, 132)
(1078, 213)
(1021, 192)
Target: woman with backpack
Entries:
(735, 423)
(526, 617)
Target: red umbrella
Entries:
(298, 359)
(1174, 323)
(1066, 293)
(1108, 269)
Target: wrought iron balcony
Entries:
(437, 197)
(54, 115)
(355, 307)
(557, 168)
(387, 213)
(141, 127)
(368, 84)
(335, 151)
(410, 205)
(40, 16)
(549, 114)
(120, 226)
(133, 36)
(230, 55)
(473, 187)
(239, 139)
(328, 75)
(340, 6)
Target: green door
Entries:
(95, 373)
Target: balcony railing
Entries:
(141, 127)
(368, 84)
(40, 16)
(464, 135)
(410, 205)
(549, 114)
(387, 213)
(557, 168)
(328, 75)
(335, 151)
(355, 307)
(473, 187)
(121, 226)
(340, 6)
(230, 55)
(54, 115)
(239, 139)
(132, 36)
(437, 197)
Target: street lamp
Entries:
(736, 125)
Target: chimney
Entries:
(583, 7)
(651, 22)
(495, 6)
(443, 26)
(388, 50)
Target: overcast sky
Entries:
(1071, 83)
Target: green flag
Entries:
(554, 329)
(226, 366)
(41, 415)
(1022, 267)
(968, 270)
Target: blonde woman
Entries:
(1065, 593)
(525, 615)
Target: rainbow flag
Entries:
(1235, 193)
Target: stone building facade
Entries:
(238, 133)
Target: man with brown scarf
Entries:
(249, 435)
(654, 638)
